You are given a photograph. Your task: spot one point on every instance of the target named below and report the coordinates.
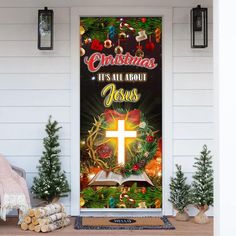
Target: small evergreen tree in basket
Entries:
(202, 186)
(180, 194)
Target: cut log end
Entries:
(37, 213)
(27, 219)
(24, 226)
(31, 227)
(31, 213)
(35, 221)
(37, 228)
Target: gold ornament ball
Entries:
(139, 53)
(122, 205)
(107, 43)
(82, 52)
(142, 205)
(118, 50)
(82, 202)
(82, 30)
(122, 35)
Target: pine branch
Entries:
(98, 27)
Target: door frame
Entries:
(167, 158)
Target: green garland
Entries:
(99, 197)
(98, 27)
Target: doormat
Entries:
(121, 223)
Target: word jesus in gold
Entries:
(112, 94)
(121, 134)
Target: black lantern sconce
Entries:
(45, 29)
(199, 27)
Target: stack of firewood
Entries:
(45, 219)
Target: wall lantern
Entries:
(199, 27)
(45, 29)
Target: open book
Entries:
(112, 179)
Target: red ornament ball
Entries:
(104, 151)
(150, 46)
(143, 19)
(150, 139)
(143, 190)
(135, 167)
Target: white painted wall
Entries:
(35, 84)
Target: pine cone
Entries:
(142, 163)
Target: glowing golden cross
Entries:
(121, 134)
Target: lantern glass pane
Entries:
(45, 30)
(199, 37)
(199, 34)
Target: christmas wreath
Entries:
(139, 150)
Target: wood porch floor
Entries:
(182, 229)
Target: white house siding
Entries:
(35, 84)
(193, 105)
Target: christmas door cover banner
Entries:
(121, 112)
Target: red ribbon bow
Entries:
(96, 45)
(132, 116)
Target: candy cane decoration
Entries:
(158, 35)
(124, 25)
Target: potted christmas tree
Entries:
(202, 186)
(180, 194)
(51, 183)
